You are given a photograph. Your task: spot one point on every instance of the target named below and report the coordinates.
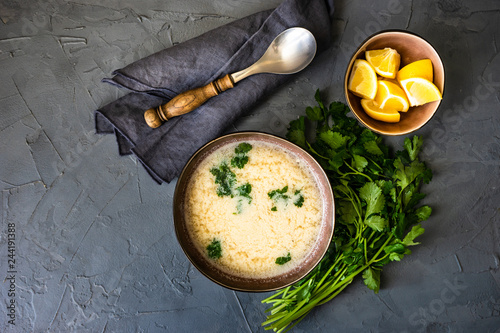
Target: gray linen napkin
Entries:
(159, 77)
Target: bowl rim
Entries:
(351, 62)
(328, 198)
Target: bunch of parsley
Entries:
(377, 209)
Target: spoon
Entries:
(290, 52)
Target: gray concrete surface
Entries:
(95, 249)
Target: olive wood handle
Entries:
(186, 101)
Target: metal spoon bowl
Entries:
(290, 52)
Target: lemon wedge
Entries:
(420, 68)
(391, 96)
(376, 112)
(385, 61)
(420, 91)
(363, 80)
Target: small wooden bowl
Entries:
(211, 270)
(411, 47)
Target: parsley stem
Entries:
(366, 254)
(381, 249)
(371, 160)
(333, 290)
(287, 318)
(371, 235)
(285, 291)
(325, 276)
(321, 290)
(334, 294)
(351, 195)
(272, 299)
(356, 172)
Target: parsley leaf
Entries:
(296, 132)
(372, 148)
(299, 199)
(244, 191)
(214, 249)
(283, 260)
(347, 212)
(360, 162)
(415, 231)
(407, 174)
(423, 213)
(334, 139)
(241, 157)
(376, 222)
(413, 147)
(225, 178)
(239, 161)
(314, 114)
(278, 194)
(371, 278)
(372, 194)
(243, 148)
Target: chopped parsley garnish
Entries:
(244, 191)
(241, 157)
(225, 178)
(239, 161)
(277, 195)
(214, 249)
(283, 260)
(243, 148)
(299, 199)
(280, 195)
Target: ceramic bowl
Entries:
(411, 47)
(207, 266)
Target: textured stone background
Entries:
(95, 247)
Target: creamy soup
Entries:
(253, 209)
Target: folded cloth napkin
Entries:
(159, 77)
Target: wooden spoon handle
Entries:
(186, 101)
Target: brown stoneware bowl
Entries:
(411, 47)
(206, 266)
